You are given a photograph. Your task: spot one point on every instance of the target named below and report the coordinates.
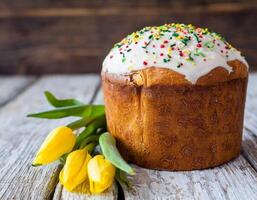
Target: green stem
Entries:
(97, 123)
(90, 147)
(80, 123)
(89, 139)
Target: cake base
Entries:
(176, 127)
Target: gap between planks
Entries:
(115, 11)
(250, 123)
(21, 137)
(13, 86)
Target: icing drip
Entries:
(185, 49)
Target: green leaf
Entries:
(111, 153)
(90, 147)
(80, 123)
(60, 102)
(76, 111)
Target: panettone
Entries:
(174, 97)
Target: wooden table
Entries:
(20, 137)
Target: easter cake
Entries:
(175, 97)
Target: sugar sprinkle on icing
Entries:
(185, 49)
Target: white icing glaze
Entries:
(185, 49)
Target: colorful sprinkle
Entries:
(175, 38)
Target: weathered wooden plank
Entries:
(10, 86)
(116, 9)
(46, 40)
(252, 89)
(82, 192)
(99, 97)
(16, 4)
(235, 180)
(250, 121)
(20, 137)
(250, 133)
(250, 147)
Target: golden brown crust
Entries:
(162, 125)
(156, 75)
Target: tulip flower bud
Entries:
(100, 173)
(60, 141)
(74, 171)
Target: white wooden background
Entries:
(20, 137)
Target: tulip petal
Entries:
(100, 173)
(60, 141)
(75, 169)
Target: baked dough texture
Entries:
(163, 121)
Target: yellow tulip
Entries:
(74, 171)
(60, 141)
(100, 173)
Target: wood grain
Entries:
(235, 180)
(82, 193)
(250, 120)
(16, 4)
(10, 86)
(21, 137)
(117, 9)
(250, 132)
(250, 147)
(75, 36)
